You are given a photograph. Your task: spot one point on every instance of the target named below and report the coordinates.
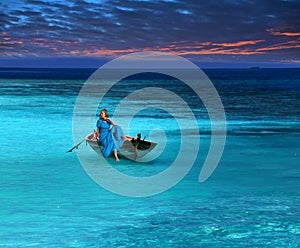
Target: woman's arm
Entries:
(112, 122)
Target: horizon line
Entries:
(92, 68)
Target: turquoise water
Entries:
(252, 198)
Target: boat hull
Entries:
(130, 149)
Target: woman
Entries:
(109, 139)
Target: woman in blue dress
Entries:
(109, 138)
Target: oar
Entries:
(76, 146)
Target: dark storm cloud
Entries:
(110, 28)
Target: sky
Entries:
(87, 33)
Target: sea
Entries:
(252, 198)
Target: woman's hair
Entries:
(105, 111)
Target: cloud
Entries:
(289, 34)
(286, 45)
(238, 43)
(111, 28)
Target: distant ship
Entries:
(255, 68)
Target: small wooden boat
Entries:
(132, 148)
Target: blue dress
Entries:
(109, 138)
